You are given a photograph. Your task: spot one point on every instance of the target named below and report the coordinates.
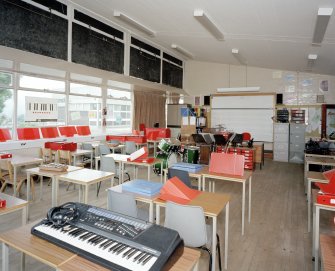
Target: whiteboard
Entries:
(251, 114)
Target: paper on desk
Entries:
(192, 120)
(185, 120)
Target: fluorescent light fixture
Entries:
(238, 56)
(311, 61)
(321, 24)
(312, 56)
(240, 89)
(200, 15)
(134, 23)
(182, 50)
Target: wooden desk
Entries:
(213, 204)
(197, 175)
(50, 174)
(247, 176)
(62, 260)
(327, 251)
(84, 177)
(142, 164)
(316, 160)
(312, 177)
(19, 161)
(14, 204)
(316, 226)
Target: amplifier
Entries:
(66, 146)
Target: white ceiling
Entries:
(268, 33)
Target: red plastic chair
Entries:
(246, 136)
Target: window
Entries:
(21, 108)
(6, 100)
(31, 82)
(85, 111)
(85, 89)
(118, 117)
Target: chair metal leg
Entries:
(218, 250)
(127, 176)
(210, 257)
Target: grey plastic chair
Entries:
(199, 235)
(104, 149)
(182, 175)
(87, 157)
(125, 204)
(108, 164)
(122, 203)
(130, 147)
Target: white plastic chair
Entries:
(130, 147)
(197, 234)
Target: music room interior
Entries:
(167, 135)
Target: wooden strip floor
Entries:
(276, 239)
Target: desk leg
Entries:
(85, 193)
(243, 207)
(91, 159)
(96, 163)
(24, 215)
(80, 193)
(203, 183)
(149, 171)
(316, 238)
(41, 187)
(74, 160)
(250, 181)
(28, 185)
(151, 212)
(5, 257)
(309, 184)
(15, 180)
(199, 183)
(158, 214)
(23, 261)
(214, 242)
(305, 174)
(165, 177)
(226, 229)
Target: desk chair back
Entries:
(208, 138)
(178, 217)
(181, 175)
(89, 147)
(107, 164)
(130, 147)
(104, 149)
(46, 155)
(64, 157)
(122, 203)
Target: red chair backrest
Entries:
(5, 134)
(28, 133)
(83, 130)
(67, 131)
(49, 132)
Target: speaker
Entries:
(207, 100)
(279, 98)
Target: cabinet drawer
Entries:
(281, 138)
(280, 156)
(297, 138)
(299, 147)
(297, 128)
(281, 128)
(280, 147)
(297, 157)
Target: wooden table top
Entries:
(320, 160)
(50, 173)
(85, 176)
(327, 247)
(212, 203)
(315, 176)
(18, 160)
(185, 263)
(246, 175)
(12, 203)
(44, 251)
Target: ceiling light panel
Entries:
(182, 51)
(131, 22)
(208, 23)
(321, 24)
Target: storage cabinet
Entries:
(281, 142)
(297, 142)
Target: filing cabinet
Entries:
(281, 142)
(297, 142)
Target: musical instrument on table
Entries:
(191, 154)
(113, 240)
(164, 146)
(168, 159)
(54, 167)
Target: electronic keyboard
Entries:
(113, 240)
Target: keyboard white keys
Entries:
(120, 254)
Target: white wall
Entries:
(203, 78)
